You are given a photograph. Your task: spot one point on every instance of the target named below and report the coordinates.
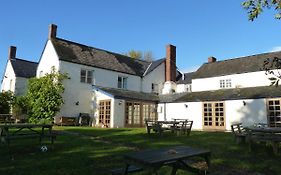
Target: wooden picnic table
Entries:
(14, 131)
(271, 135)
(153, 160)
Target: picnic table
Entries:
(271, 135)
(14, 131)
(178, 126)
(176, 157)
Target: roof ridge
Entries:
(245, 57)
(24, 60)
(76, 43)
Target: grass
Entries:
(95, 151)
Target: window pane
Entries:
(83, 76)
(124, 83)
(89, 77)
(119, 82)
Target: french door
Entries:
(274, 112)
(104, 113)
(213, 116)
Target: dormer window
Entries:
(122, 82)
(225, 83)
(86, 76)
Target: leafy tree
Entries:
(20, 106)
(44, 96)
(255, 7)
(6, 99)
(272, 67)
(134, 54)
(147, 56)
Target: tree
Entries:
(44, 96)
(255, 7)
(134, 54)
(6, 99)
(148, 56)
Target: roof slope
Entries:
(187, 78)
(130, 95)
(24, 68)
(226, 94)
(86, 55)
(246, 64)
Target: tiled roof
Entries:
(187, 78)
(24, 68)
(81, 54)
(225, 94)
(130, 95)
(154, 64)
(246, 64)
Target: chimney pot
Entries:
(212, 59)
(171, 70)
(52, 31)
(12, 52)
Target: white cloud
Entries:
(275, 49)
(189, 69)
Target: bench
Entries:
(183, 127)
(131, 169)
(239, 132)
(84, 119)
(67, 121)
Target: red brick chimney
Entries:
(52, 31)
(171, 63)
(212, 59)
(12, 52)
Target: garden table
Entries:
(153, 160)
(264, 134)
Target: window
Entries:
(225, 83)
(86, 76)
(154, 87)
(122, 82)
(213, 115)
(274, 112)
(41, 74)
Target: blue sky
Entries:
(199, 29)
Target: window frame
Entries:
(123, 83)
(85, 78)
(225, 83)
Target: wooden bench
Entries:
(67, 121)
(183, 127)
(131, 169)
(239, 132)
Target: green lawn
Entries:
(95, 151)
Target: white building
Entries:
(17, 73)
(114, 89)
(225, 92)
(118, 91)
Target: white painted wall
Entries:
(156, 76)
(9, 78)
(253, 112)
(251, 79)
(188, 110)
(183, 88)
(118, 117)
(48, 59)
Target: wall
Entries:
(48, 59)
(82, 92)
(10, 76)
(253, 112)
(188, 110)
(237, 80)
(157, 76)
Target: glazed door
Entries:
(213, 116)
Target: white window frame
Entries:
(154, 88)
(225, 83)
(86, 78)
(123, 83)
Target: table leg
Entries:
(126, 169)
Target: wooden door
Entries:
(104, 112)
(213, 116)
